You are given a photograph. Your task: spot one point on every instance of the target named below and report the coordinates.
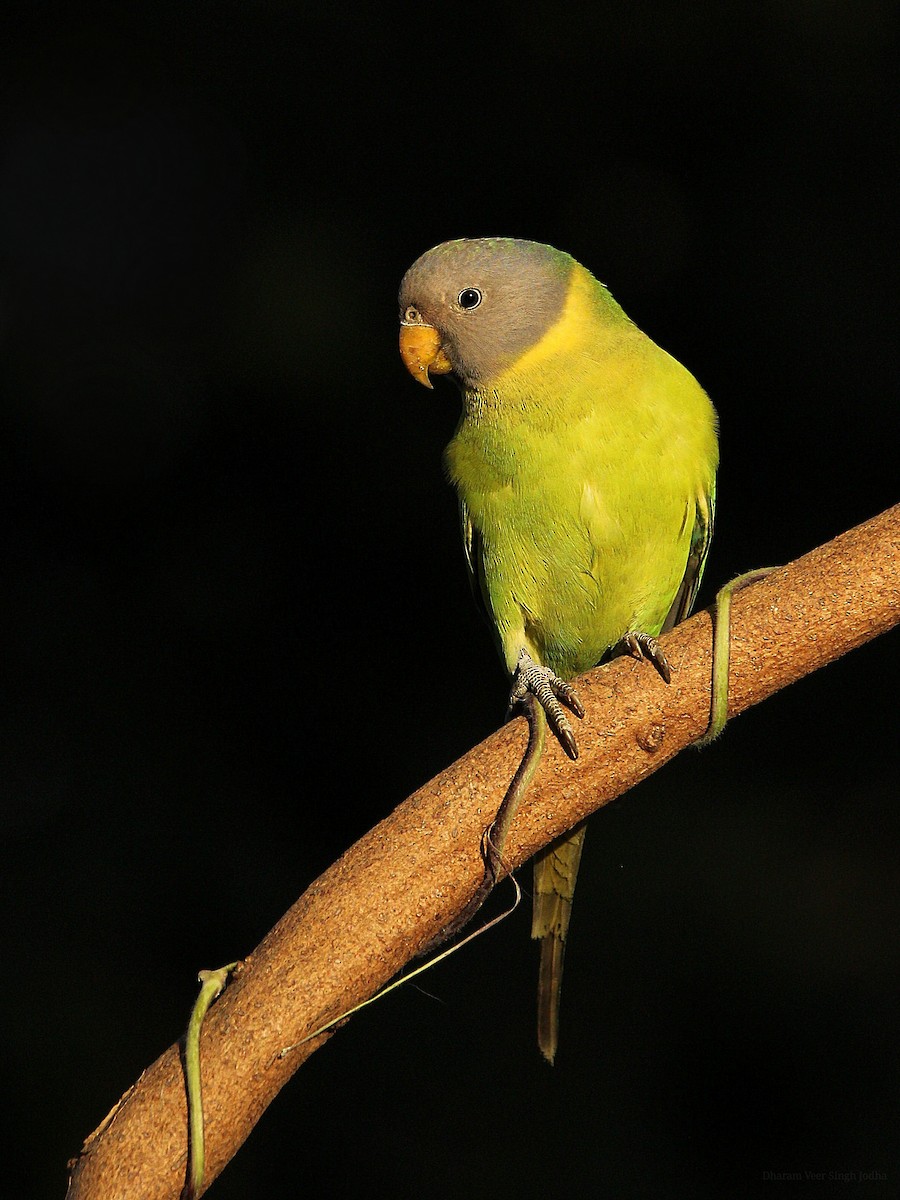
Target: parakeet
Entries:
(585, 463)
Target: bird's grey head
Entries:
(488, 301)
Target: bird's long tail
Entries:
(555, 873)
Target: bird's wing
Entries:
(704, 520)
(471, 536)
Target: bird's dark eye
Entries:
(469, 298)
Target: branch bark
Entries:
(389, 894)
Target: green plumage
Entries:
(579, 505)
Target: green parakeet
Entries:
(585, 464)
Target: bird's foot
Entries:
(548, 689)
(644, 646)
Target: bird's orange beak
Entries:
(420, 349)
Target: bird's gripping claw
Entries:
(643, 646)
(548, 689)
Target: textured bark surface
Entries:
(388, 896)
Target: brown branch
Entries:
(389, 894)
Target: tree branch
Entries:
(388, 896)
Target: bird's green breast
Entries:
(579, 470)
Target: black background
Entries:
(235, 625)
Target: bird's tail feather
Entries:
(555, 873)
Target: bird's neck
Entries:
(542, 383)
